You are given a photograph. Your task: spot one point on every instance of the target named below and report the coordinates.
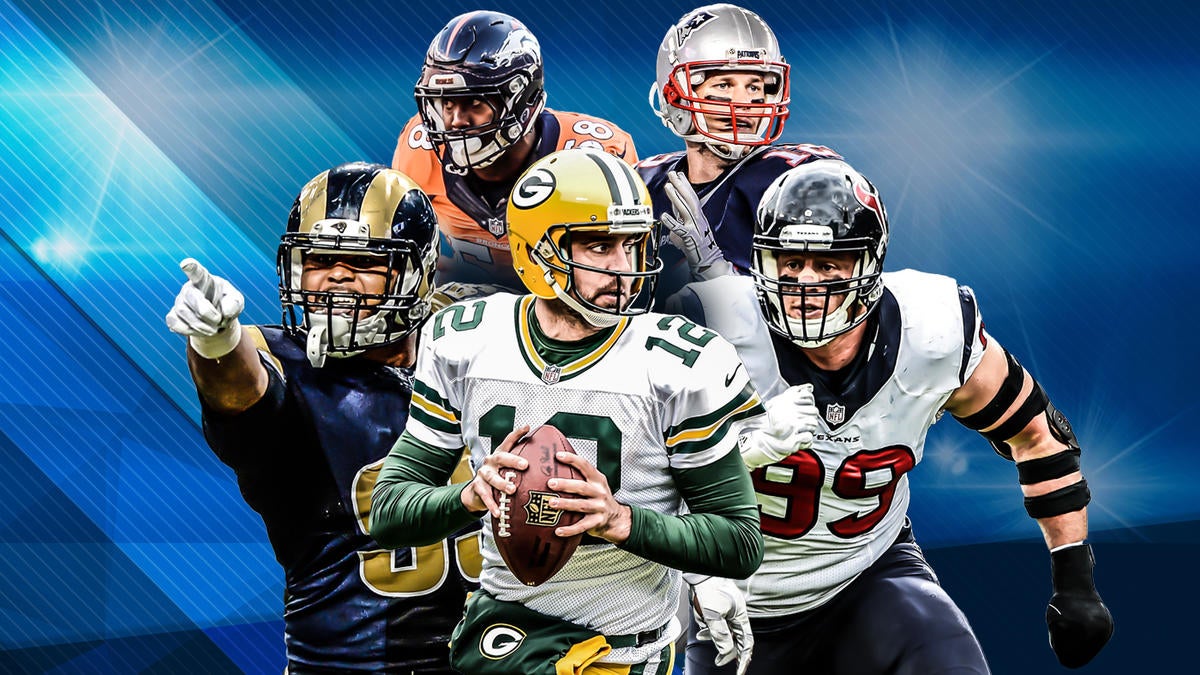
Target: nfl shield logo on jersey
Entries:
(497, 227)
(835, 413)
(551, 373)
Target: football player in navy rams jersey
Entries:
(861, 364)
(304, 414)
(722, 86)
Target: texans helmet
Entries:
(820, 207)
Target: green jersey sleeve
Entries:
(720, 537)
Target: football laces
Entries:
(505, 509)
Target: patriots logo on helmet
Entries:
(691, 24)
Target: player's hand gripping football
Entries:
(206, 312)
(603, 515)
(690, 230)
(1079, 623)
(791, 420)
(720, 611)
(477, 495)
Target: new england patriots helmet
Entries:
(720, 37)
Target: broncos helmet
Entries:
(823, 206)
(573, 191)
(367, 210)
(487, 56)
(714, 38)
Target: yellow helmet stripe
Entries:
(313, 202)
(380, 203)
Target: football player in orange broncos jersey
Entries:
(481, 121)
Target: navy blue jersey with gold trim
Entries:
(306, 458)
(729, 201)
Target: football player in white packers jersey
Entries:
(876, 358)
(649, 402)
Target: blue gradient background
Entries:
(1045, 156)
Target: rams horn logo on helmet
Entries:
(534, 189)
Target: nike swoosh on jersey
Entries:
(729, 377)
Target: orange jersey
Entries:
(474, 231)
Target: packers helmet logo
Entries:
(533, 189)
(499, 640)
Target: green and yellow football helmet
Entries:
(573, 191)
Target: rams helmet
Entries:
(358, 210)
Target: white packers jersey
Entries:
(658, 393)
(830, 512)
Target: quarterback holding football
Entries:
(648, 401)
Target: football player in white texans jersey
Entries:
(874, 359)
(649, 402)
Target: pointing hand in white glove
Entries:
(206, 312)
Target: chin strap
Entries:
(325, 331)
(595, 318)
(315, 346)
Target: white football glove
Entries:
(690, 230)
(791, 420)
(206, 312)
(720, 611)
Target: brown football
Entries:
(524, 532)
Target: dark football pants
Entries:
(894, 619)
